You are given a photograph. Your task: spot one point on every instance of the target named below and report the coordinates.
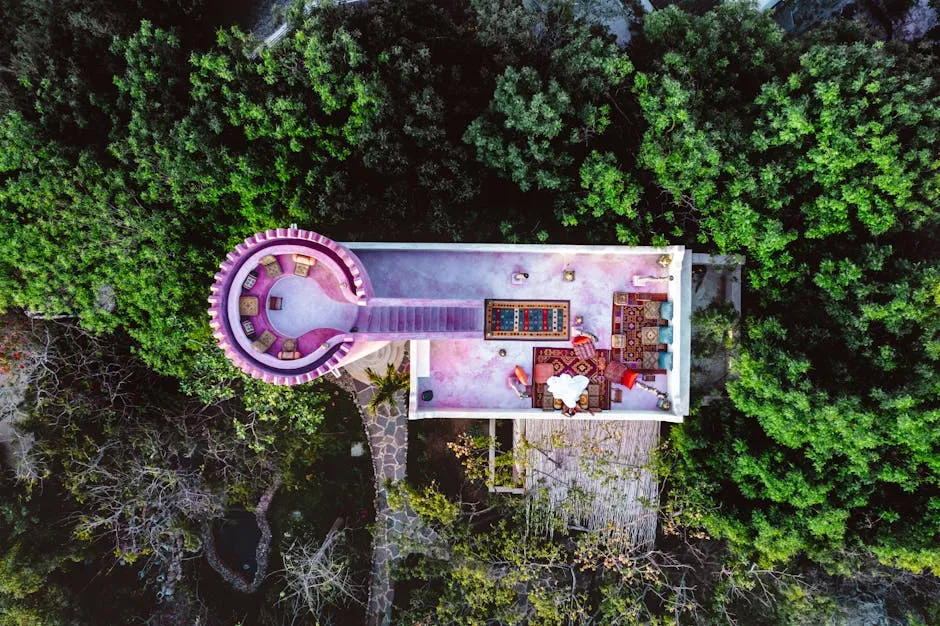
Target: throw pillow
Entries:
(665, 334)
(665, 310)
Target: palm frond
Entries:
(387, 387)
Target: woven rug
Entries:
(628, 320)
(565, 361)
(526, 319)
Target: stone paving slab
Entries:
(387, 432)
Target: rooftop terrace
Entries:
(468, 377)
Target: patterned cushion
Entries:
(665, 310)
(618, 341)
(271, 266)
(665, 334)
(302, 264)
(650, 360)
(548, 401)
(650, 335)
(665, 360)
(250, 280)
(248, 305)
(651, 310)
(265, 341)
(541, 372)
(615, 371)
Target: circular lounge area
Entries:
(285, 302)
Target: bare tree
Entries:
(319, 577)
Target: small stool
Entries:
(275, 303)
(583, 347)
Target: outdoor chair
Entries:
(656, 310)
(249, 328)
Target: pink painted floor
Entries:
(311, 314)
(469, 373)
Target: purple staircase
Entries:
(424, 320)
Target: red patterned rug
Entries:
(628, 320)
(564, 361)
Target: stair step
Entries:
(425, 319)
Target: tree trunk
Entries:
(262, 552)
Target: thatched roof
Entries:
(592, 474)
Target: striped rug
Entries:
(526, 319)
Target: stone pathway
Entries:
(397, 530)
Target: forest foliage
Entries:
(139, 144)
